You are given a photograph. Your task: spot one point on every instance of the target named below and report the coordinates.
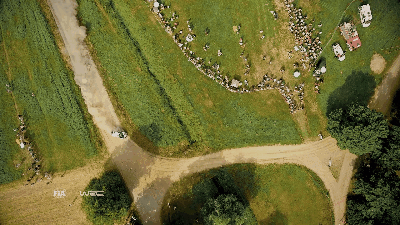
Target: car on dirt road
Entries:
(120, 134)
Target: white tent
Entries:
(236, 83)
(323, 69)
(189, 38)
(156, 4)
(296, 74)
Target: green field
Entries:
(43, 92)
(219, 19)
(382, 37)
(276, 194)
(166, 105)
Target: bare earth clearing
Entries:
(148, 176)
(37, 204)
(378, 64)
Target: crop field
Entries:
(382, 37)
(276, 194)
(166, 105)
(42, 90)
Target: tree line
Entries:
(375, 198)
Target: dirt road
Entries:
(148, 176)
(37, 205)
(384, 93)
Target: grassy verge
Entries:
(8, 121)
(277, 194)
(174, 109)
(43, 89)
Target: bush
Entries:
(115, 203)
(226, 209)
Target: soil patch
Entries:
(378, 64)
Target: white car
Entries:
(120, 134)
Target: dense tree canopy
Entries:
(377, 196)
(389, 155)
(226, 209)
(115, 203)
(358, 129)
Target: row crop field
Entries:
(381, 37)
(164, 100)
(43, 92)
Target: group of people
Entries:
(24, 143)
(213, 72)
(309, 46)
(286, 92)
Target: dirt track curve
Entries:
(148, 176)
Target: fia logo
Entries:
(91, 193)
(59, 194)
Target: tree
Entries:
(226, 209)
(377, 196)
(389, 156)
(358, 129)
(115, 203)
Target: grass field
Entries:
(43, 91)
(382, 37)
(277, 194)
(167, 106)
(219, 18)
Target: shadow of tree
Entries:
(192, 192)
(358, 89)
(152, 197)
(276, 218)
(395, 110)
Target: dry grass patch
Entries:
(37, 205)
(378, 63)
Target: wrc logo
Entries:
(91, 193)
